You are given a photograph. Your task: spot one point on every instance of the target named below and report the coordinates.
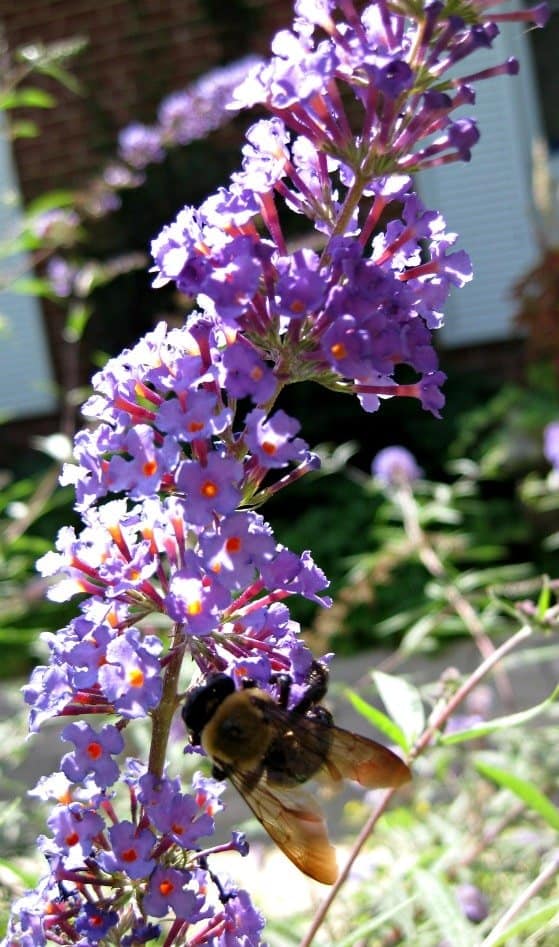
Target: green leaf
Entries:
(30, 286)
(377, 718)
(24, 878)
(532, 922)
(8, 811)
(369, 926)
(52, 199)
(525, 790)
(35, 98)
(23, 129)
(64, 77)
(544, 600)
(403, 703)
(499, 723)
(279, 933)
(440, 904)
(77, 320)
(418, 631)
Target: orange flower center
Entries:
(136, 678)
(233, 544)
(338, 350)
(94, 750)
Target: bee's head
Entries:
(202, 702)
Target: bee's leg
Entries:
(283, 683)
(317, 681)
(317, 685)
(224, 895)
(247, 683)
(218, 773)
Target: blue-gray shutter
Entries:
(26, 377)
(488, 201)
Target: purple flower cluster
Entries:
(350, 315)
(551, 444)
(149, 865)
(184, 116)
(173, 559)
(394, 466)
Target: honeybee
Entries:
(268, 751)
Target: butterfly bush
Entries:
(183, 117)
(174, 567)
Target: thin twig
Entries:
(463, 608)
(441, 715)
(356, 848)
(491, 834)
(545, 875)
(438, 718)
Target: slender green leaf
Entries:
(50, 200)
(500, 723)
(279, 933)
(531, 922)
(525, 790)
(23, 128)
(418, 631)
(440, 904)
(374, 923)
(541, 654)
(544, 600)
(26, 878)
(377, 718)
(30, 286)
(64, 77)
(31, 97)
(8, 812)
(403, 703)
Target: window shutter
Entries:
(488, 201)
(26, 378)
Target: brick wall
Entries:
(138, 51)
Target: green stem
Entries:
(163, 715)
(435, 566)
(524, 898)
(352, 199)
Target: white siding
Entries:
(26, 378)
(488, 201)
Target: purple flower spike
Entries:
(185, 438)
(551, 444)
(395, 465)
(140, 145)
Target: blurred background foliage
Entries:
(485, 475)
(476, 830)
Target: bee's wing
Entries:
(295, 822)
(351, 756)
(332, 754)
